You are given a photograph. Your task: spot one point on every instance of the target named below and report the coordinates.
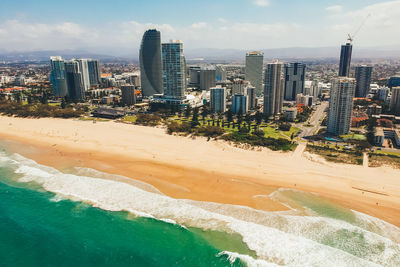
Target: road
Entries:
(314, 120)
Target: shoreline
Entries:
(212, 171)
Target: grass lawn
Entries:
(131, 119)
(387, 153)
(354, 137)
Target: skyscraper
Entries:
(174, 72)
(240, 104)
(218, 99)
(341, 105)
(58, 76)
(273, 89)
(251, 97)
(395, 101)
(294, 80)
(345, 60)
(221, 73)
(254, 70)
(94, 72)
(76, 89)
(150, 63)
(208, 78)
(363, 79)
(84, 68)
(128, 94)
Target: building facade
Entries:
(254, 70)
(84, 68)
(76, 89)
(240, 104)
(150, 63)
(208, 78)
(218, 99)
(345, 60)
(94, 72)
(363, 80)
(174, 72)
(220, 73)
(128, 95)
(294, 80)
(273, 89)
(341, 105)
(395, 101)
(58, 76)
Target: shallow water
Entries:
(49, 217)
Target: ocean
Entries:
(82, 217)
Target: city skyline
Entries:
(262, 24)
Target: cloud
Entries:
(379, 23)
(199, 25)
(262, 3)
(222, 20)
(335, 8)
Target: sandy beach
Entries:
(203, 170)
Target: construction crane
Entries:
(352, 36)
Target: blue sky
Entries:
(110, 26)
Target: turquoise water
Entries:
(37, 231)
(80, 217)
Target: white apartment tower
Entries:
(341, 105)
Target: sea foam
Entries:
(282, 239)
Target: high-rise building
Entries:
(208, 78)
(58, 76)
(394, 81)
(254, 70)
(128, 95)
(221, 73)
(150, 63)
(239, 86)
(218, 99)
(395, 101)
(294, 80)
(345, 60)
(273, 89)
(251, 96)
(341, 105)
(174, 72)
(84, 68)
(94, 72)
(76, 89)
(363, 80)
(194, 74)
(383, 93)
(240, 104)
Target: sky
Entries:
(116, 27)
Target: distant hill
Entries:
(215, 55)
(45, 55)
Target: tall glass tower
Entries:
(58, 76)
(345, 60)
(150, 63)
(254, 70)
(174, 71)
(273, 89)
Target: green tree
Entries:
(188, 111)
(371, 125)
(195, 118)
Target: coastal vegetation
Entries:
(40, 110)
(337, 154)
(379, 158)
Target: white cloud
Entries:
(379, 29)
(124, 38)
(335, 8)
(199, 25)
(261, 2)
(222, 20)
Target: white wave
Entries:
(250, 261)
(282, 239)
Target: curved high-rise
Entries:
(150, 63)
